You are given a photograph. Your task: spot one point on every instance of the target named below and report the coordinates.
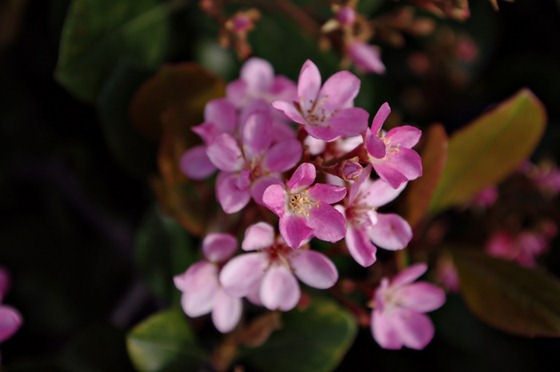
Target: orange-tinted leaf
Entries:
(489, 149)
(512, 298)
(420, 192)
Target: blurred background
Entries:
(72, 203)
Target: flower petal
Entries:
(231, 197)
(309, 83)
(10, 322)
(313, 268)
(415, 330)
(199, 285)
(349, 122)
(258, 236)
(227, 311)
(294, 230)
(339, 91)
(379, 193)
(408, 162)
(195, 164)
(327, 223)
(258, 74)
(218, 247)
(302, 178)
(275, 198)
(375, 145)
(405, 136)
(327, 193)
(289, 110)
(222, 114)
(360, 247)
(384, 331)
(387, 172)
(225, 154)
(283, 88)
(366, 57)
(259, 186)
(242, 273)
(279, 289)
(380, 117)
(4, 283)
(421, 296)
(409, 275)
(391, 232)
(324, 133)
(257, 133)
(283, 155)
(237, 92)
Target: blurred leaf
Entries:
(97, 34)
(164, 342)
(420, 192)
(163, 249)
(489, 149)
(518, 300)
(133, 152)
(166, 107)
(312, 339)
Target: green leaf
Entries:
(164, 342)
(489, 149)
(162, 249)
(134, 152)
(512, 298)
(98, 33)
(312, 339)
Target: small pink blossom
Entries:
(486, 197)
(305, 210)
(10, 319)
(365, 57)
(202, 292)
(346, 15)
(268, 274)
(365, 227)
(326, 112)
(398, 318)
(523, 248)
(446, 274)
(391, 153)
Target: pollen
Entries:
(301, 203)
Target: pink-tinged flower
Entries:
(220, 117)
(10, 319)
(250, 167)
(365, 57)
(486, 197)
(202, 292)
(523, 248)
(268, 274)
(258, 82)
(398, 318)
(446, 274)
(391, 153)
(326, 112)
(305, 210)
(365, 227)
(545, 175)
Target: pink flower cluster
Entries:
(305, 153)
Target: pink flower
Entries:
(305, 210)
(268, 276)
(365, 226)
(326, 112)
(10, 319)
(219, 117)
(447, 275)
(366, 57)
(250, 167)
(202, 292)
(523, 248)
(391, 154)
(486, 197)
(398, 318)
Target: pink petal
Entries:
(327, 223)
(302, 178)
(415, 330)
(282, 130)
(405, 136)
(260, 185)
(283, 155)
(4, 282)
(409, 275)
(375, 145)
(379, 193)
(221, 113)
(289, 110)
(258, 236)
(199, 285)
(309, 83)
(366, 57)
(10, 322)
(324, 133)
(356, 187)
(241, 274)
(327, 193)
(225, 154)
(390, 232)
(258, 74)
(349, 122)
(380, 118)
(218, 247)
(339, 91)
(408, 162)
(294, 230)
(384, 331)
(389, 174)
(195, 164)
(284, 89)
(360, 247)
(236, 92)
(275, 198)
(313, 268)
(279, 289)
(421, 297)
(231, 197)
(227, 311)
(257, 133)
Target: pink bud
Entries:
(346, 16)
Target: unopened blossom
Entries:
(391, 153)
(399, 318)
(202, 292)
(304, 208)
(326, 111)
(249, 167)
(365, 227)
(523, 248)
(268, 274)
(10, 318)
(220, 117)
(365, 57)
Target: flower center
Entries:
(301, 203)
